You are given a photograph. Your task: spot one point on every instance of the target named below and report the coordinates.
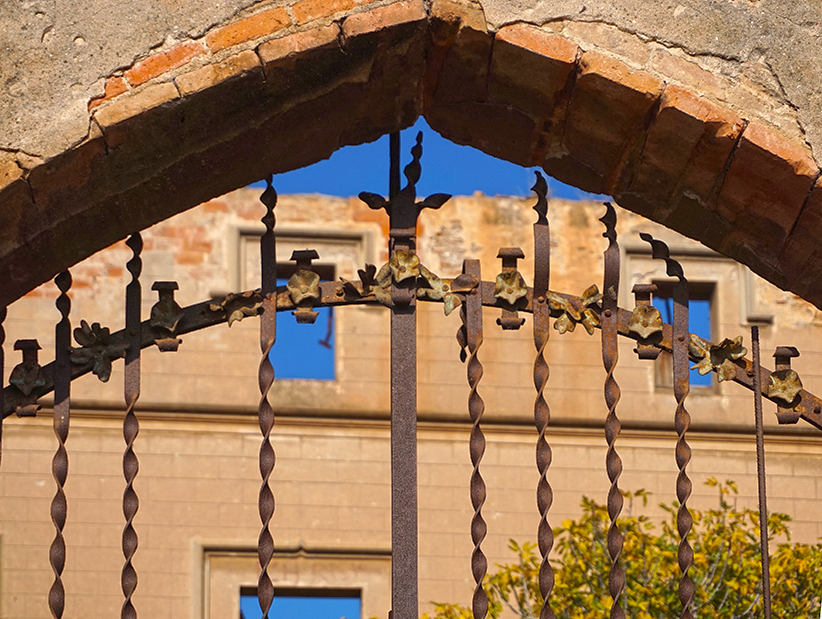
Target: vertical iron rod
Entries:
(404, 551)
(268, 333)
(760, 473)
(131, 425)
(471, 314)
(610, 357)
(542, 412)
(59, 464)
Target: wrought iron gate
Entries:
(399, 285)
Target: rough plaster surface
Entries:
(56, 55)
(773, 44)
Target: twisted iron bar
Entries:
(131, 426)
(542, 413)
(682, 419)
(59, 464)
(471, 330)
(610, 357)
(268, 332)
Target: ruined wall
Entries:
(198, 445)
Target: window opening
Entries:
(304, 604)
(305, 351)
(700, 310)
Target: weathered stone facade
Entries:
(700, 115)
(198, 445)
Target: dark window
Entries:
(304, 351)
(700, 311)
(304, 604)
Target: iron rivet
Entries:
(681, 338)
(541, 299)
(608, 313)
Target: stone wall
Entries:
(199, 440)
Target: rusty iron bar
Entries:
(682, 419)
(760, 474)
(268, 334)
(131, 425)
(59, 464)
(334, 294)
(610, 357)
(542, 412)
(471, 330)
(404, 526)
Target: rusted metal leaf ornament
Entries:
(404, 265)
(717, 357)
(238, 306)
(784, 385)
(98, 348)
(576, 310)
(645, 321)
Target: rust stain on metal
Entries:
(610, 357)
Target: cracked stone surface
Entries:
(55, 55)
(780, 38)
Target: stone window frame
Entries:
(223, 571)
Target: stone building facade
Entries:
(198, 445)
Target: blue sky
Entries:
(446, 168)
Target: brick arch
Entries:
(280, 89)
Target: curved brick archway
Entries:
(284, 87)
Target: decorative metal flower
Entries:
(510, 286)
(404, 265)
(576, 310)
(238, 306)
(97, 347)
(304, 285)
(645, 321)
(717, 358)
(440, 290)
(784, 385)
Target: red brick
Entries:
(685, 152)
(309, 10)
(767, 183)
(216, 73)
(297, 43)
(248, 29)
(530, 67)
(606, 117)
(158, 64)
(114, 86)
(803, 243)
(384, 17)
